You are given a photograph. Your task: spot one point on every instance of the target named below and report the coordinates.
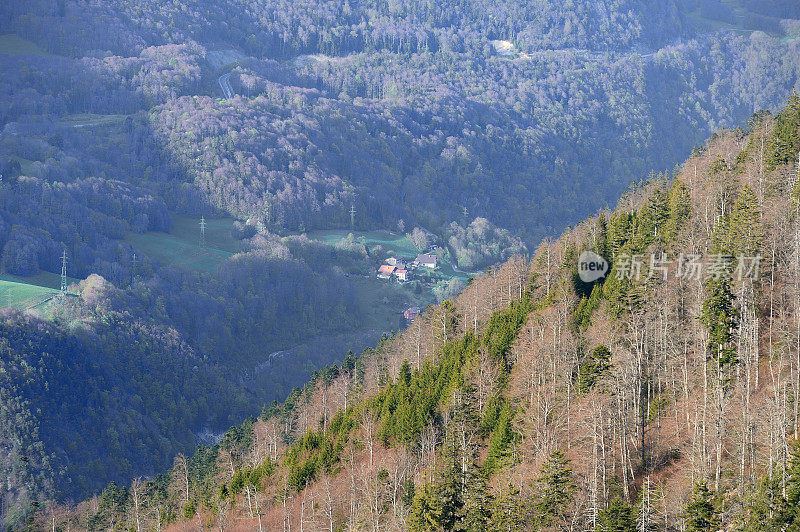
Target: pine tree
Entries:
(405, 374)
(719, 314)
(425, 514)
(700, 514)
(439, 506)
(652, 218)
(409, 490)
(791, 512)
(555, 489)
(680, 208)
(476, 510)
(786, 139)
(601, 238)
(745, 233)
(619, 232)
(499, 441)
(594, 365)
(720, 318)
(448, 488)
(618, 517)
(765, 506)
(508, 510)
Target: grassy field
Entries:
(182, 248)
(91, 119)
(382, 244)
(218, 231)
(43, 279)
(383, 302)
(11, 44)
(383, 241)
(28, 292)
(23, 295)
(741, 22)
(24, 164)
(77, 121)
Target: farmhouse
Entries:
(427, 260)
(401, 274)
(411, 313)
(385, 271)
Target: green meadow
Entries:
(383, 241)
(11, 44)
(181, 247)
(23, 295)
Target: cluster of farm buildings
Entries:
(401, 271)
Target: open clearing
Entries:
(733, 15)
(22, 295)
(28, 292)
(222, 57)
(218, 232)
(382, 244)
(181, 247)
(91, 119)
(12, 44)
(375, 241)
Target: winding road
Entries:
(225, 84)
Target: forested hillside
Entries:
(662, 396)
(481, 127)
(430, 114)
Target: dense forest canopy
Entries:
(481, 126)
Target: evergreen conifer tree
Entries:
(700, 514)
(680, 208)
(508, 510)
(555, 490)
(618, 517)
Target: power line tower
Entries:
(202, 231)
(263, 222)
(64, 272)
(352, 216)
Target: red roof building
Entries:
(385, 271)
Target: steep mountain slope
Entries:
(662, 396)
